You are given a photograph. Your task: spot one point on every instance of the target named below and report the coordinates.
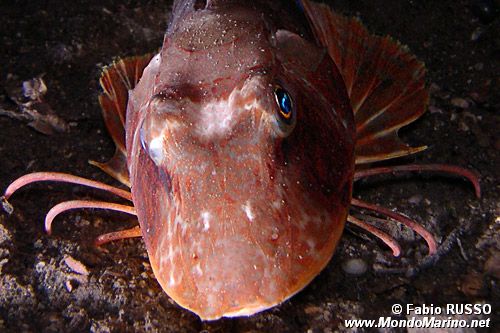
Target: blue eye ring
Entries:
(285, 103)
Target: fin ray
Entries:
(116, 167)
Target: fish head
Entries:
(241, 157)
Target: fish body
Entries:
(240, 207)
(240, 141)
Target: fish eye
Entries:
(286, 114)
(285, 104)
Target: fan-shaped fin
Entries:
(385, 82)
(116, 80)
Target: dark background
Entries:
(68, 42)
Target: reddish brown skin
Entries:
(238, 210)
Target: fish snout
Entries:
(231, 263)
(225, 256)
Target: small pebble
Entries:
(313, 309)
(492, 266)
(435, 109)
(476, 34)
(415, 199)
(460, 102)
(479, 66)
(472, 284)
(434, 88)
(2, 263)
(355, 266)
(68, 285)
(463, 126)
(76, 266)
(5, 235)
(34, 89)
(7, 207)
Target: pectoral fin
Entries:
(384, 80)
(116, 81)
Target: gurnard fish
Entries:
(240, 142)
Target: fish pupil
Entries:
(284, 102)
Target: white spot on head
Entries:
(311, 244)
(205, 218)
(179, 222)
(216, 118)
(276, 204)
(275, 235)
(247, 208)
(251, 106)
(196, 248)
(175, 278)
(197, 269)
(170, 253)
(211, 300)
(171, 281)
